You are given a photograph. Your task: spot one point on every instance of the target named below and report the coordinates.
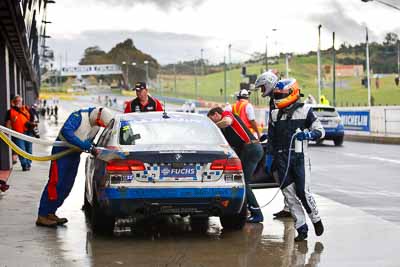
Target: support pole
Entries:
(368, 71)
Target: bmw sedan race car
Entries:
(332, 123)
(157, 163)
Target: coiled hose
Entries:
(24, 154)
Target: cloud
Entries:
(337, 20)
(164, 46)
(162, 4)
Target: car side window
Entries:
(105, 136)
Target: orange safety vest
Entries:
(239, 109)
(19, 119)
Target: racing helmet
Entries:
(243, 94)
(266, 82)
(286, 92)
(100, 116)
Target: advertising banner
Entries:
(356, 120)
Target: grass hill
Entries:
(349, 90)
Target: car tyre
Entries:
(338, 141)
(319, 142)
(102, 224)
(87, 208)
(235, 221)
(199, 222)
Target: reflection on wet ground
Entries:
(175, 241)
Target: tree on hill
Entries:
(123, 52)
(94, 55)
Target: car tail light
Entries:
(218, 164)
(125, 165)
(227, 165)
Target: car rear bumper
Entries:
(211, 201)
(331, 133)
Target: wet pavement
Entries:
(353, 237)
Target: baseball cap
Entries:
(140, 85)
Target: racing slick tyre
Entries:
(235, 221)
(338, 141)
(102, 224)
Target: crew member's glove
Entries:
(94, 151)
(268, 163)
(86, 146)
(301, 136)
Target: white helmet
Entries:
(100, 116)
(243, 94)
(267, 82)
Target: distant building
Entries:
(346, 70)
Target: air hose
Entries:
(286, 172)
(24, 154)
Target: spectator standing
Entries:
(143, 102)
(18, 118)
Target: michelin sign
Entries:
(355, 120)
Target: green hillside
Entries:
(349, 91)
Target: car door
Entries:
(262, 177)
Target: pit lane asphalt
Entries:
(356, 188)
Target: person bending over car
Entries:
(248, 149)
(79, 129)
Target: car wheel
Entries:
(102, 224)
(199, 222)
(338, 141)
(235, 221)
(86, 204)
(320, 141)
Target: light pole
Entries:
(334, 69)
(126, 75)
(266, 53)
(133, 65)
(195, 79)
(319, 62)
(146, 62)
(368, 74)
(398, 59)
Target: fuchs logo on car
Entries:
(178, 156)
(187, 171)
(183, 172)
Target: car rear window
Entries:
(169, 131)
(325, 112)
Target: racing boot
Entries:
(45, 221)
(282, 214)
(256, 215)
(319, 228)
(302, 233)
(58, 220)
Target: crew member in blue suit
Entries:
(79, 129)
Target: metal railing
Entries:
(392, 120)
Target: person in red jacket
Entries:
(143, 102)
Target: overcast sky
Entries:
(176, 30)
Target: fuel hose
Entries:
(24, 154)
